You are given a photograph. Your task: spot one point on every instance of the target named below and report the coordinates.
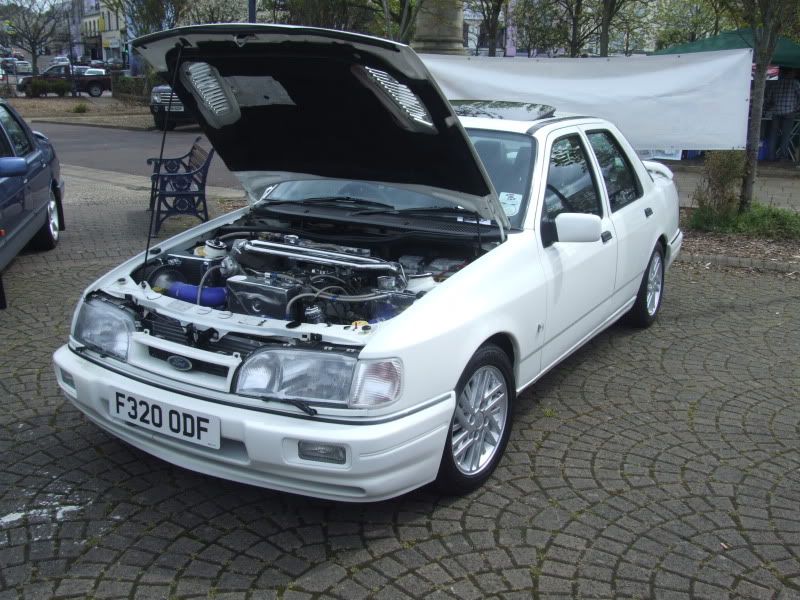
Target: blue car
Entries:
(31, 190)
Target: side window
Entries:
(622, 185)
(570, 186)
(19, 139)
(5, 147)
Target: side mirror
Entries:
(13, 167)
(578, 227)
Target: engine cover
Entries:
(260, 296)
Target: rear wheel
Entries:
(481, 422)
(648, 301)
(47, 236)
(95, 90)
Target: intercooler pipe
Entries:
(322, 257)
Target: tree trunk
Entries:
(439, 27)
(753, 134)
(491, 33)
(605, 25)
(574, 41)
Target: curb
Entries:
(83, 124)
(738, 261)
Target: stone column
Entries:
(439, 28)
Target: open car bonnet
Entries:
(283, 102)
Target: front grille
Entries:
(171, 330)
(164, 97)
(197, 365)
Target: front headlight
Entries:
(155, 98)
(105, 328)
(297, 374)
(377, 383)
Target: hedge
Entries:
(42, 87)
(136, 89)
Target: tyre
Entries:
(651, 291)
(47, 236)
(95, 90)
(481, 422)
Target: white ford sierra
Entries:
(406, 268)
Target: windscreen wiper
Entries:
(332, 200)
(422, 210)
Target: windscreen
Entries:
(508, 159)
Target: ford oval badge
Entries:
(180, 362)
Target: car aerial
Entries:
(167, 109)
(31, 190)
(364, 327)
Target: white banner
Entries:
(663, 104)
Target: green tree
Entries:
(680, 22)
(539, 25)
(581, 22)
(149, 16)
(34, 25)
(621, 16)
(399, 16)
(215, 11)
(631, 29)
(490, 11)
(766, 19)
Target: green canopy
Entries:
(787, 53)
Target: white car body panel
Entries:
(535, 301)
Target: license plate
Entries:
(187, 425)
(175, 108)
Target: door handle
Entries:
(25, 181)
(606, 236)
(648, 212)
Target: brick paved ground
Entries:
(661, 464)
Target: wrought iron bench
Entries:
(178, 185)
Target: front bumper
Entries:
(383, 460)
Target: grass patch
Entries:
(80, 108)
(760, 221)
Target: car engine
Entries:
(284, 276)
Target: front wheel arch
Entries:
(62, 223)
(488, 369)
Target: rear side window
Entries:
(19, 139)
(622, 184)
(571, 186)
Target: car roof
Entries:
(529, 127)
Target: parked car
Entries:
(22, 67)
(9, 65)
(97, 64)
(31, 190)
(364, 326)
(83, 79)
(167, 109)
(60, 60)
(115, 64)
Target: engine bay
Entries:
(300, 279)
